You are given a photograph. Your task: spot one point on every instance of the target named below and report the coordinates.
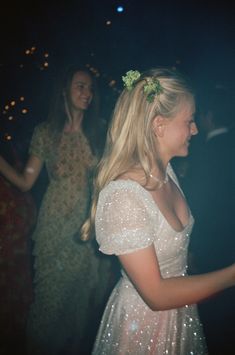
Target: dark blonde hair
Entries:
(130, 140)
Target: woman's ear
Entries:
(158, 125)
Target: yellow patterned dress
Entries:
(67, 274)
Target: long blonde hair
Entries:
(130, 140)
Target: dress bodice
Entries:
(128, 219)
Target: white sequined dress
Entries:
(128, 219)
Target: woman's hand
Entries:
(233, 274)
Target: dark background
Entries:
(196, 37)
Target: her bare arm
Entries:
(25, 180)
(166, 293)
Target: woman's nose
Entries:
(194, 129)
(87, 92)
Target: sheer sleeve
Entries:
(123, 219)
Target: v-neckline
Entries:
(154, 203)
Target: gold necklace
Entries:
(160, 181)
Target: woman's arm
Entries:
(25, 180)
(162, 294)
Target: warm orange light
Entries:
(112, 83)
(7, 137)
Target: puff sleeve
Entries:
(39, 141)
(123, 219)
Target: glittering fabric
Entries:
(127, 220)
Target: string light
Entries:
(112, 83)
(7, 137)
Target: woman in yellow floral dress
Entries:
(70, 278)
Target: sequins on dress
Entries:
(128, 219)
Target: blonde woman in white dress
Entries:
(141, 216)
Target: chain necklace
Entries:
(160, 181)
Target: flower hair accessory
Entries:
(152, 86)
(130, 78)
